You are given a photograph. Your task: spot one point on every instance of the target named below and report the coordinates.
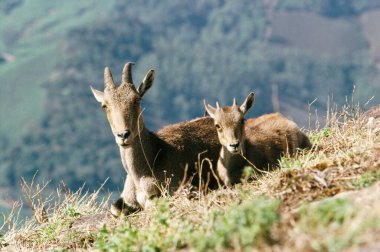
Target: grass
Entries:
(291, 209)
(335, 224)
(366, 179)
(237, 226)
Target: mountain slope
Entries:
(33, 33)
(325, 199)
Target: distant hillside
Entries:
(32, 36)
(317, 34)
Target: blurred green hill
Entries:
(288, 52)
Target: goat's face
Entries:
(229, 123)
(123, 104)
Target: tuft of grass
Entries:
(317, 136)
(366, 179)
(239, 227)
(54, 218)
(335, 224)
(161, 234)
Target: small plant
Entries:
(159, 236)
(48, 232)
(328, 212)
(124, 236)
(60, 250)
(71, 212)
(248, 172)
(318, 136)
(240, 227)
(287, 162)
(339, 218)
(366, 179)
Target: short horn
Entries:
(217, 105)
(127, 73)
(234, 102)
(108, 80)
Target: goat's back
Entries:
(184, 144)
(270, 136)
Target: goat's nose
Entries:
(235, 146)
(124, 135)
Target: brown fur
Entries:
(271, 136)
(262, 140)
(153, 160)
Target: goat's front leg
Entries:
(127, 203)
(148, 189)
(223, 173)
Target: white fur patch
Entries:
(197, 119)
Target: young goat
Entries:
(152, 160)
(262, 141)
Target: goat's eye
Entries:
(217, 126)
(104, 106)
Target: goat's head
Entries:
(229, 123)
(123, 103)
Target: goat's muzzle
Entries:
(123, 138)
(234, 148)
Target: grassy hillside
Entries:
(325, 199)
(33, 33)
(23, 100)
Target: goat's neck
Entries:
(138, 157)
(230, 167)
(229, 160)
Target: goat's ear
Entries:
(146, 83)
(248, 103)
(99, 96)
(210, 109)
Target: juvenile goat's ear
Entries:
(99, 96)
(146, 83)
(210, 109)
(248, 103)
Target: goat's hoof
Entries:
(114, 211)
(119, 207)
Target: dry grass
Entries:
(345, 149)
(53, 219)
(291, 209)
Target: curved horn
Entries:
(217, 105)
(126, 77)
(108, 80)
(234, 102)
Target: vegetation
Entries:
(53, 130)
(314, 202)
(51, 52)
